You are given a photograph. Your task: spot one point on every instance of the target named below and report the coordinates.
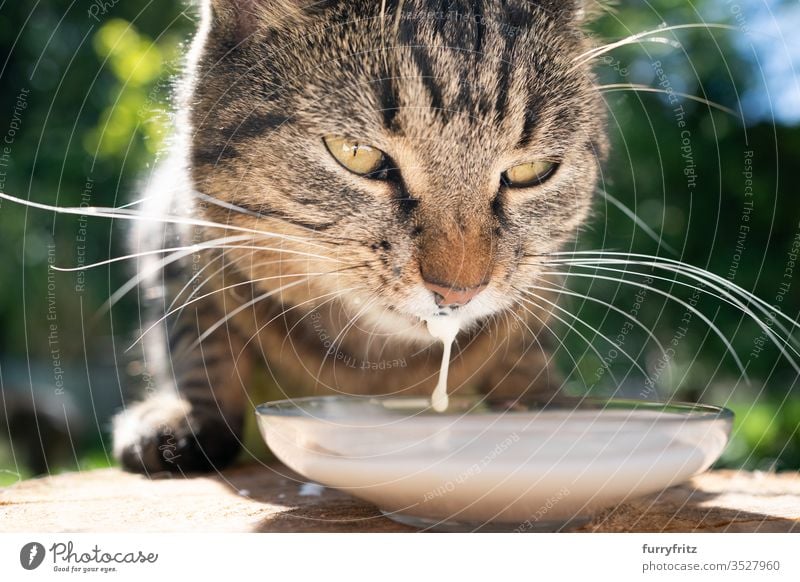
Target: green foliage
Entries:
(96, 116)
(138, 64)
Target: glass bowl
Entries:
(493, 465)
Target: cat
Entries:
(340, 172)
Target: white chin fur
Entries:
(420, 306)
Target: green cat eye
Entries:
(357, 157)
(529, 174)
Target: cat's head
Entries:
(428, 147)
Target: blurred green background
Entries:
(84, 114)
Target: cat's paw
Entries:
(164, 433)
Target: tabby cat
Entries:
(348, 169)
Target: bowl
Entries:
(493, 465)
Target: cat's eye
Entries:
(357, 157)
(529, 174)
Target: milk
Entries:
(445, 329)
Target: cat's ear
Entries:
(243, 18)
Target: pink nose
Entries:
(451, 296)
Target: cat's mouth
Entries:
(441, 312)
(408, 317)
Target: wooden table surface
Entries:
(272, 498)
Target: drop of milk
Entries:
(445, 329)
(311, 490)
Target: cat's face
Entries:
(453, 99)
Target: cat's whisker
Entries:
(128, 214)
(371, 337)
(698, 274)
(563, 291)
(180, 252)
(614, 87)
(296, 323)
(544, 323)
(189, 302)
(226, 265)
(594, 52)
(596, 266)
(507, 322)
(194, 292)
(529, 299)
(332, 297)
(180, 308)
(220, 322)
(177, 255)
(726, 297)
(228, 205)
(210, 277)
(334, 344)
(637, 221)
(318, 236)
(493, 325)
(134, 203)
(511, 312)
(732, 300)
(143, 273)
(780, 342)
(662, 40)
(686, 305)
(593, 329)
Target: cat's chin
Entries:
(407, 322)
(399, 326)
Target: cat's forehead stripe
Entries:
(429, 83)
(472, 60)
(387, 98)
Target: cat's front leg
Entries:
(192, 417)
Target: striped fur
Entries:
(454, 92)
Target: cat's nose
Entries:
(447, 296)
